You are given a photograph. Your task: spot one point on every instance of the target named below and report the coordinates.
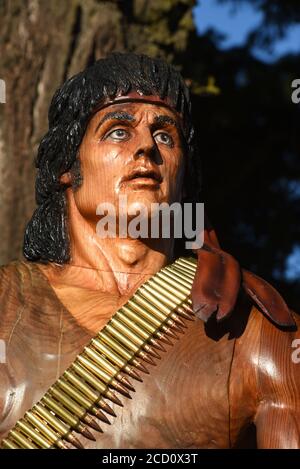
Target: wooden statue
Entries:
(228, 379)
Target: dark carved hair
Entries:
(46, 235)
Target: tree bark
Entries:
(42, 43)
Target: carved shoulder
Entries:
(10, 304)
(278, 414)
(264, 389)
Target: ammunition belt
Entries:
(132, 338)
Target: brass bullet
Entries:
(136, 306)
(115, 323)
(145, 299)
(172, 281)
(122, 314)
(139, 308)
(105, 364)
(144, 323)
(63, 429)
(146, 357)
(169, 294)
(185, 313)
(163, 337)
(122, 327)
(185, 265)
(70, 404)
(121, 338)
(185, 296)
(53, 437)
(172, 324)
(190, 261)
(86, 403)
(121, 350)
(181, 278)
(24, 442)
(158, 325)
(115, 358)
(189, 303)
(187, 306)
(140, 366)
(124, 380)
(139, 330)
(125, 340)
(87, 391)
(125, 352)
(168, 291)
(111, 355)
(8, 444)
(97, 384)
(188, 271)
(102, 375)
(184, 278)
(155, 344)
(161, 294)
(151, 348)
(138, 319)
(109, 369)
(178, 279)
(114, 338)
(34, 435)
(168, 327)
(155, 306)
(72, 420)
(69, 389)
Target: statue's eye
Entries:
(118, 134)
(164, 138)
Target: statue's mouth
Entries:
(144, 176)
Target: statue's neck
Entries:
(114, 265)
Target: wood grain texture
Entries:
(205, 392)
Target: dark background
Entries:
(249, 139)
(248, 126)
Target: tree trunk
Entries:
(42, 43)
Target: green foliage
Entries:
(249, 145)
(159, 28)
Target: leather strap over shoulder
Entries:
(268, 299)
(216, 285)
(218, 281)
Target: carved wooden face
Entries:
(133, 149)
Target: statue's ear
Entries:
(66, 179)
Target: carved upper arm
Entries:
(278, 414)
(8, 313)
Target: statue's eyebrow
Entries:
(164, 120)
(116, 115)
